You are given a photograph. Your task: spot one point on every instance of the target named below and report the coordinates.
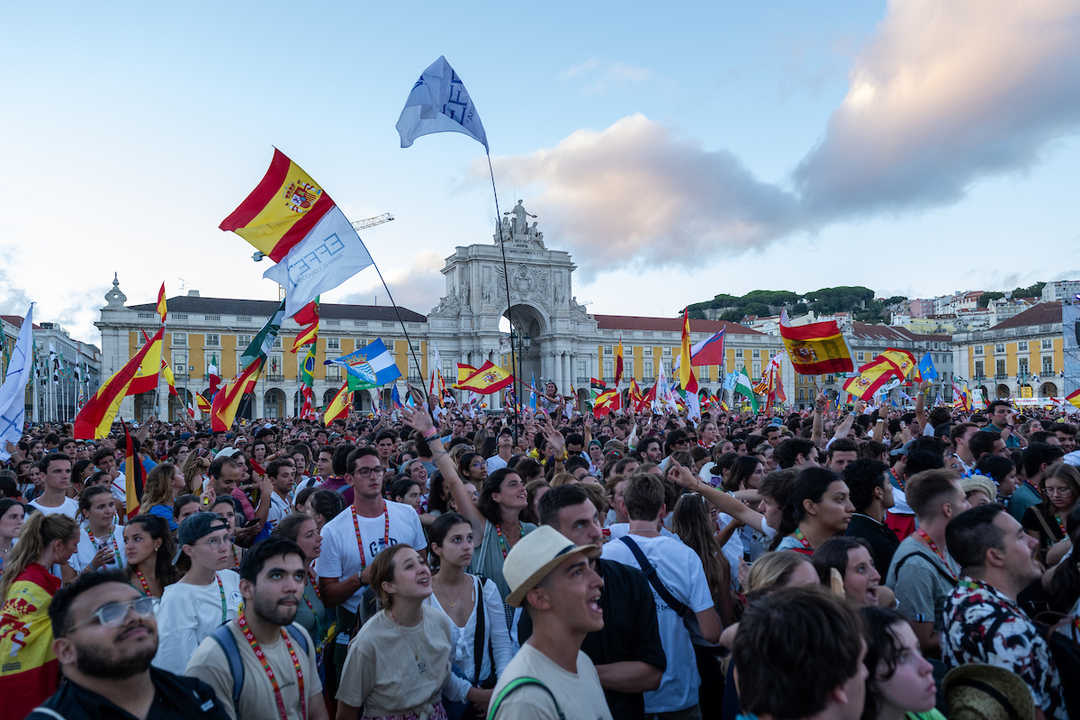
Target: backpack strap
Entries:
(478, 639)
(654, 579)
(949, 578)
(298, 636)
(515, 684)
(227, 642)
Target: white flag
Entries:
(330, 254)
(439, 102)
(13, 391)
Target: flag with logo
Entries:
(816, 348)
(439, 102)
(488, 379)
(372, 365)
(339, 407)
(13, 391)
(927, 371)
(871, 378)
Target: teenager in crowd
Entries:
(163, 485)
(820, 507)
(900, 684)
(148, 551)
(101, 542)
(12, 515)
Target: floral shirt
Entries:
(984, 626)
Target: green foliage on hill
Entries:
(857, 299)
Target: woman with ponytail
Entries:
(30, 672)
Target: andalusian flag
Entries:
(135, 474)
(687, 381)
(488, 379)
(339, 406)
(817, 348)
(162, 309)
(95, 419)
(744, 388)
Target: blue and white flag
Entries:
(329, 255)
(395, 397)
(730, 381)
(439, 102)
(371, 364)
(13, 391)
(532, 394)
(927, 369)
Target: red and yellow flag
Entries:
(339, 406)
(687, 381)
(135, 474)
(817, 348)
(281, 210)
(871, 377)
(618, 363)
(31, 670)
(162, 309)
(489, 379)
(226, 402)
(607, 401)
(95, 419)
(636, 395)
(308, 318)
(202, 403)
(1073, 398)
(146, 376)
(464, 372)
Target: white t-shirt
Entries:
(620, 529)
(69, 507)
(580, 696)
(279, 510)
(495, 463)
(340, 554)
(189, 613)
(89, 548)
(119, 488)
(680, 569)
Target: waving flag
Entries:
(871, 378)
(902, 360)
(619, 363)
(13, 391)
(162, 308)
(307, 369)
(817, 348)
(686, 372)
(709, 351)
(927, 371)
(308, 318)
(438, 103)
(395, 397)
(744, 388)
(203, 403)
(339, 406)
(490, 378)
(95, 419)
(372, 365)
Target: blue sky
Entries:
(677, 150)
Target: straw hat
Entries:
(534, 556)
(980, 483)
(985, 692)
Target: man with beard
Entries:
(279, 676)
(105, 636)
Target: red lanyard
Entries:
(926, 539)
(502, 541)
(142, 580)
(270, 671)
(116, 548)
(802, 539)
(360, 542)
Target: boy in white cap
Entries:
(550, 677)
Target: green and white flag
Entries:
(744, 387)
(263, 342)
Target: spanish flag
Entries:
(339, 406)
(687, 381)
(618, 363)
(902, 360)
(489, 379)
(871, 377)
(226, 401)
(30, 670)
(464, 372)
(203, 403)
(162, 309)
(281, 210)
(1074, 398)
(95, 419)
(308, 317)
(817, 348)
(146, 377)
(135, 473)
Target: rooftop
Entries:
(633, 322)
(1041, 314)
(265, 308)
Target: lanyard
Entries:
(1061, 525)
(802, 539)
(937, 551)
(503, 547)
(250, 637)
(145, 585)
(360, 542)
(116, 548)
(224, 609)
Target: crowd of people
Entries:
(845, 562)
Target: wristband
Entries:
(434, 433)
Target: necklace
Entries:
(142, 581)
(224, 609)
(453, 601)
(937, 551)
(420, 665)
(236, 557)
(386, 533)
(503, 546)
(1061, 524)
(250, 637)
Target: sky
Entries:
(677, 150)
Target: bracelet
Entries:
(429, 435)
(436, 456)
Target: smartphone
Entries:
(252, 523)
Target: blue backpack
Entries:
(225, 639)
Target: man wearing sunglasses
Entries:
(105, 637)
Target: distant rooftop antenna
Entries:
(184, 284)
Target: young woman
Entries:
(901, 684)
(226, 507)
(850, 558)
(1002, 471)
(101, 541)
(81, 471)
(472, 468)
(12, 514)
(315, 617)
(30, 671)
(472, 604)
(495, 517)
(418, 472)
(399, 661)
(194, 469)
(1060, 492)
(149, 551)
(324, 506)
(163, 484)
(184, 507)
(819, 507)
(747, 472)
(408, 491)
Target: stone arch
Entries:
(1048, 389)
(274, 403)
(1002, 391)
(530, 327)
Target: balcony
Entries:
(1001, 376)
(275, 377)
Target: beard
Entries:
(98, 662)
(270, 610)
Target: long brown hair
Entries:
(194, 466)
(37, 533)
(158, 529)
(691, 522)
(158, 490)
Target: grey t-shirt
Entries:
(923, 583)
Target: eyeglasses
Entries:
(113, 614)
(366, 471)
(215, 543)
(1057, 491)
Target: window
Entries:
(1047, 344)
(333, 343)
(628, 368)
(179, 316)
(179, 339)
(756, 354)
(582, 371)
(1047, 365)
(1022, 367)
(415, 345)
(243, 318)
(979, 371)
(333, 322)
(277, 341)
(609, 349)
(180, 364)
(934, 345)
(212, 318)
(978, 349)
(214, 340)
(1000, 371)
(243, 340)
(757, 370)
(147, 315)
(609, 370)
(667, 352)
(703, 372)
(999, 348)
(275, 368)
(140, 340)
(862, 356)
(333, 372)
(802, 394)
(386, 324)
(647, 352)
(1022, 346)
(449, 370)
(647, 370)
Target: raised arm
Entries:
(723, 502)
(819, 422)
(920, 405)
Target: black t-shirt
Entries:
(630, 633)
(882, 539)
(1032, 523)
(176, 698)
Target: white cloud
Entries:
(417, 287)
(598, 76)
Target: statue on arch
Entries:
(518, 224)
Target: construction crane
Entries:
(358, 226)
(372, 221)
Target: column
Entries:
(556, 360)
(568, 369)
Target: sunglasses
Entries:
(113, 614)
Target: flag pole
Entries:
(506, 280)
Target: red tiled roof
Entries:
(633, 322)
(1041, 314)
(17, 321)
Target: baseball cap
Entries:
(534, 556)
(198, 526)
